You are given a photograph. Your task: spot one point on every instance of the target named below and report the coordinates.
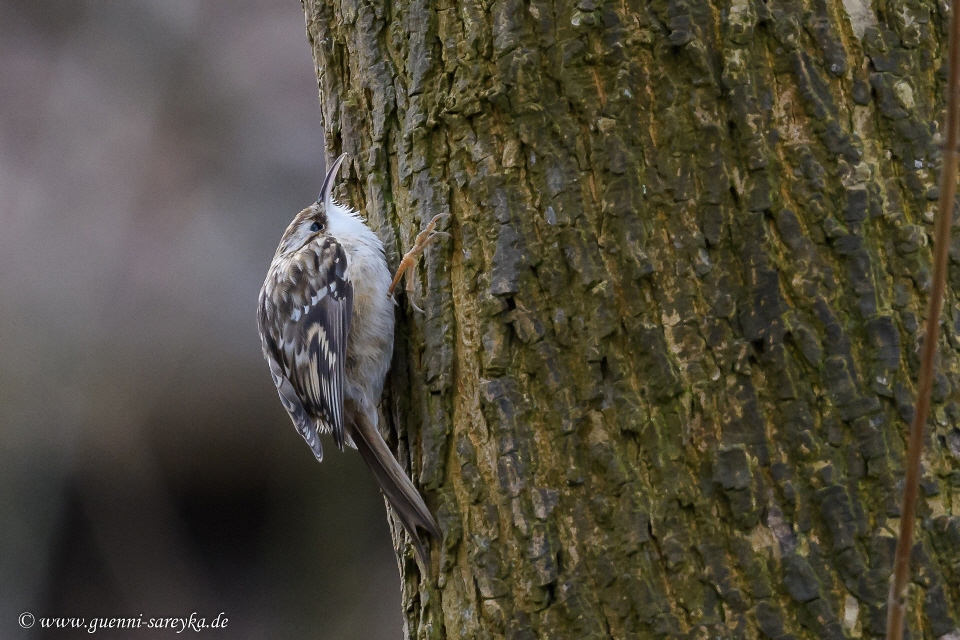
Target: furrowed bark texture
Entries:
(664, 376)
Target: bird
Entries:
(326, 321)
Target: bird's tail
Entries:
(400, 492)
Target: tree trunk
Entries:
(667, 361)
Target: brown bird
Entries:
(326, 319)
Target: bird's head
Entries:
(312, 222)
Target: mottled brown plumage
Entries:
(326, 326)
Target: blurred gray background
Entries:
(151, 154)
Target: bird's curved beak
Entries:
(324, 198)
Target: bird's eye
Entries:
(315, 227)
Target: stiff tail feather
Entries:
(396, 486)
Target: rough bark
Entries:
(668, 357)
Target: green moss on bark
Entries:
(662, 380)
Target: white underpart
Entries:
(370, 342)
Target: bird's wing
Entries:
(288, 398)
(312, 348)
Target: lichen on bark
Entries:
(668, 354)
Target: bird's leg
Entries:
(424, 238)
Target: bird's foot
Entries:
(424, 238)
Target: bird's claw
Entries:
(414, 304)
(423, 239)
(428, 234)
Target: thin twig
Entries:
(896, 602)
